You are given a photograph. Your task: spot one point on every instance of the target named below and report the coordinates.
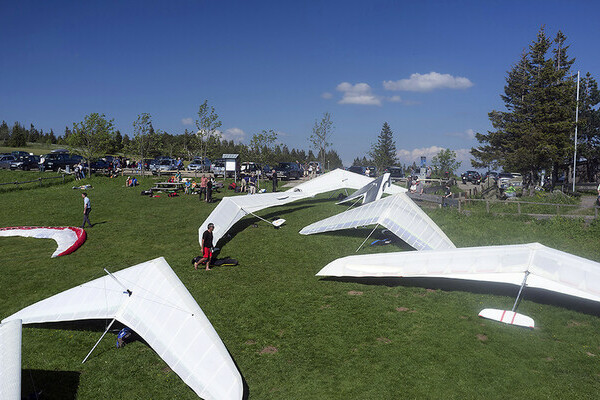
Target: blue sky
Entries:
(431, 69)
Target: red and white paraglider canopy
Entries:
(68, 238)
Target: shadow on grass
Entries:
(502, 289)
(63, 387)
(251, 220)
(47, 385)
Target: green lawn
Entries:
(293, 335)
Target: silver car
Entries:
(6, 160)
(164, 165)
(198, 164)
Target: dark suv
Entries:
(56, 161)
(471, 176)
(288, 170)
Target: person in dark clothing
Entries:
(447, 195)
(209, 190)
(207, 246)
(274, 181)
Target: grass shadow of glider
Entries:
(250, 220)
(98, 326)
(536, 295)
(48, 385)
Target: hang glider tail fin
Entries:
(507, 317)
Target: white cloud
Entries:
(235, 134)
(469, 134)
(326, 95)
(357, 94)
(394, 99)
(428, 82)
(187, 121)
(414, 155)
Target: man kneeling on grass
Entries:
(207, 246)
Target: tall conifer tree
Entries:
(384, 151)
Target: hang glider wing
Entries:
(339, 179)
(398, 213)
(548, 268)
(67, 238)
(371, 191)
(162, 312)
(10, 360)
(231, 209)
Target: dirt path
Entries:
(587, 201)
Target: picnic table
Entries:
(168, 186)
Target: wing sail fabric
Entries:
(371, 191)
(397, 213)
(549, 269)
(67, 238)
(10, 360)
(231, 209)
(162, 311)
(339, 179)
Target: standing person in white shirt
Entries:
(87, 208)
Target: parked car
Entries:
(99, 165)
(372, 171)
(19, 154)
(165, 164)
(357, 169)
(248, 168)
(218, 167)
(471, 176)
(6, 160)
(26, 163)
(491, 175)
(505, 179)
(395, 172)
(288, 170)
(60, 160)
(199, 164)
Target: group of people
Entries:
(78, 169)
(249, 183)
(131, 181)
(416, 186)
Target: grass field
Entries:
(293, 335)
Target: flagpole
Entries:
(576, 120)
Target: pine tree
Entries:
(534, 133)
(384, 151)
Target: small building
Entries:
(232, 165)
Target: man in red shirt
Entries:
(207, 246)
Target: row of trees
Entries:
(96, 136)
(535, 132)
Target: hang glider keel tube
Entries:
(129, 293)
(510, 317)
(277, 223)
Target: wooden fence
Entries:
(489, 202)
(38, 180)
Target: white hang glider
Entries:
(398, 213)
(339, 179)
(10, 360)
(151, 300)
(526, 265)
(67, 238)
(231, 209)
(371, 191)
